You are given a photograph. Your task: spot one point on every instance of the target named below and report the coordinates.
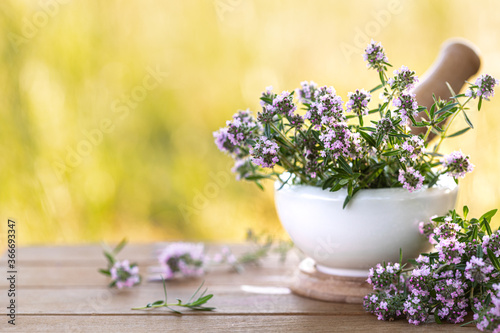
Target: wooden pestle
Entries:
(457, 61)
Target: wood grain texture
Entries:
(253, 323)
(59, 290)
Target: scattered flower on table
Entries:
(182, 259)
(225, 256)
(123, 274)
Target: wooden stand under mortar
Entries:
(456, 62)
(311, 283)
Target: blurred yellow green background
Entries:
(108, 107)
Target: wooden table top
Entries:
(58, 289)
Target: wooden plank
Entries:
(91, 255)
(227, 300)
(274, 323)
(68, 276)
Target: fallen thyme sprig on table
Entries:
(123, 274)
(196, 305)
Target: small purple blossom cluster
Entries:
(123, 274)
(384, 127)
(340, 141)
(492, 243)
(387, 303)
(182, 259)
(309, 145)
(477, 270)
(274, 105)
(442, 283)
(265, 153)
(404, 79)
(358, 102)
(450, 251)
(237, 133)
(447, 230)
(307, 92)
(487, 313)
(413, 147)
(411, 179)
(325, 107)
(407, 106)
(484, 87)
(457, 164)
(384, 276)
(375, 56)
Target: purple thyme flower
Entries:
(265, 152)
(340, 141)
(457, 164)
(421, 281)
(358, 102)
(450, 292)
(124, 275)
(407, 106)
(450, 250)
(492, 243)
(404, 79)
(422, 259)
(384, 126)
(311, 151)
(306, 93)
(184, 259)
(269, 111)
(412, 148)
(284, 104)
(487, 315)
(484, 87)
(447, 230)
(326, 108)
(267, 94)
(415, 309)
(386, 306)
(323, 91)
(237, 132)
(384, 277)
(411, 179)
(375, 56)
(477, 270)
